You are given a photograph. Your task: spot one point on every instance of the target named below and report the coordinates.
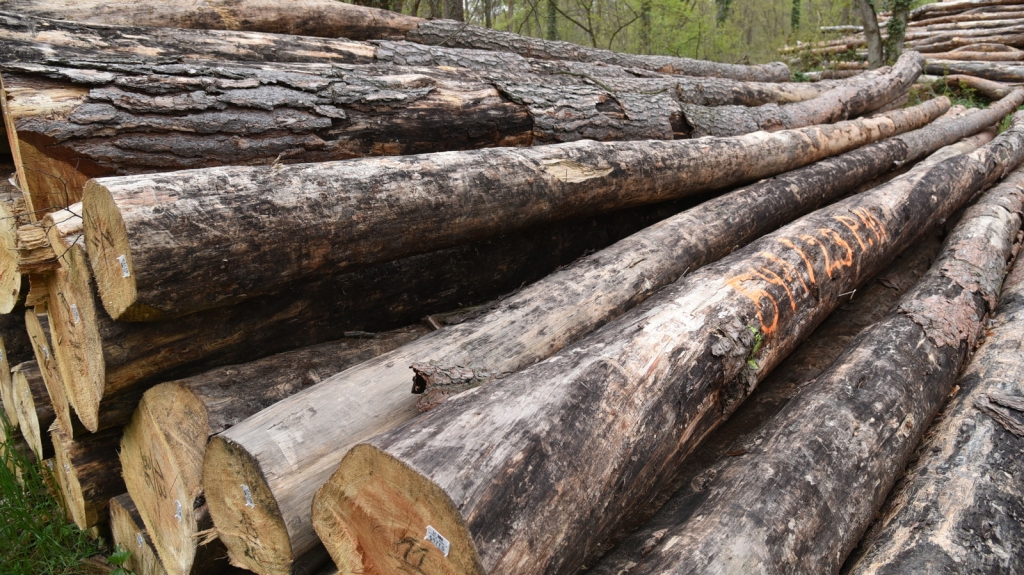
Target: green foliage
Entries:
(36, 538)
(959, 95)
(758, 341)
(118, 558)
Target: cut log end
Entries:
(110, 253)
(39, 336)
(244, 510)
(70, 487)
(32, 404)
(129, 533)
(7, 387)
(378, 515)
(10, 277)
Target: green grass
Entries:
(35, 538)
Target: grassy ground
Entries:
(35, 537)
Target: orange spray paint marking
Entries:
(838, 239)
(775, 279)
(824, 253)
(786, 269)
(872, 223)
(803, 256)
(852, 225)
(756, 296)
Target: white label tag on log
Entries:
(177, 510)
(46, 352)
(438, 540)
(124, 266)
(74, 312)
(248, 496)
(139, 539)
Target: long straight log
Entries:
(945, 8)
(306, 213)
(800, 499)
(90, 474)
(35, 412)
(332, 19)
(129, 533)
(978, 56)
(987, 70)
(869, 304)
(954, 42)
(514, 495)
(1014, 12)
(163, 446)
(275, 535)
(957, 507)
(108, 365)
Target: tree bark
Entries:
(946, 8)
(949, 42)
(110, 364)
(985, 70)
(129, 533)
(526, 328)
(515, 497)
(978, 56)
(304, 214)
(987, 88)
(333, 19)
(35, 412)
(843, 102)
(163, 446)
(799, 500)
(1016, 13)
(90, 474)
(871, 33)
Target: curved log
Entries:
(799, 499)
(163, 446)
(35, 412)
(526, 328)
(298, 221)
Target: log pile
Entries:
(971, 45)
(283, 302)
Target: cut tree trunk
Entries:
(333, 19)
(823, 467)
(978, 56)
(129, 533)
(987, 88)
(847, 101)
(957, 508)
(300, 220)
(869, 304)
(515, 497)
(90, 474)
(162, 449)
(955, 42)
(12, 210)
(37, 325)
(35, 412)
(526, 328)
(986, 70)
(7, 387)
(955, 6)
(110, 364)
(1016, 13)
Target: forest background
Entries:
(736, 31)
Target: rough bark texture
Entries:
(871, 32)
(317, 219)
(112, 363)
(847, 101)
(332, 19)
(526, 328)
(35, 412)
(947, 43)
(958, 508)
(987, 70)
(800, 498)
(736, 436)
(90, 474)
(129, 533)
(163, 446)
(945, 8)
(978, 56)
(987, 88)
(513, 496)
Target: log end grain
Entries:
(64, 230)
(243, 508)
(378, 515)
(110, 253)
(10, 277)
(39, 334)
(168, 421)
(7, 387)
(129, 533)
(31, 401)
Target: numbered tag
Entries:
(438, 540)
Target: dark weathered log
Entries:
(799, 500)
(35, 412)
(333, 19)
(515, 497)
(163, 446)
(870, 303)
(283, 223)
(90, 474)
(847, 101)
(986, 70)
(110, 364)
(957, 509)
(526, 328)
(129, 533)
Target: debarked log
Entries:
(510, 497)
(107, 365)
(333, 19)
(163, 446)
(957, 507)
(316, 219)
(271, 536)
(799, 500)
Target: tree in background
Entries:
(897, 29)
(871, 32)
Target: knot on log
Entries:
(438, 381)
